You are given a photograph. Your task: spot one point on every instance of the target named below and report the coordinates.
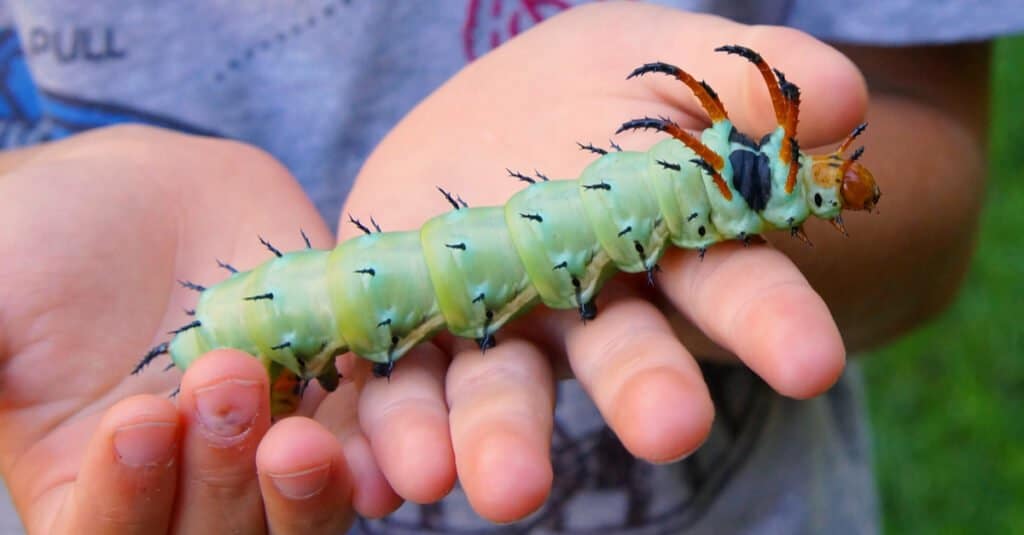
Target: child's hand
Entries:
(94, 231)
(488, 418)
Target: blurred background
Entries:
(947, 402)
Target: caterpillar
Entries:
(471, 270)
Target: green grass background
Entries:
(947, 402)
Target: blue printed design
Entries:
(30, 114)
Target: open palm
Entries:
(94, 232)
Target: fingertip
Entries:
(298, 444)
(304, 478)
(836, 96)
(418, 457)
(804, 357)
(507, 477)
(128, 474)
(833, 91)
(139, 408)
(144, 430)
(220, 363)
(812, 366)
(668, 416)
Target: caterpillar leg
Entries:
(383, 369)
(708, 98)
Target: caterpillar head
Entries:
(840, 183)
(859, 189)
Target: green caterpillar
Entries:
(471, 270)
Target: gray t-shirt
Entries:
(319, 83)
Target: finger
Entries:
(406, 420)
(501, 417)
(834, 94)
(647, 386)
(304, 479)
(128, 475)
(756, 304)
(226, 409)
(372, 495)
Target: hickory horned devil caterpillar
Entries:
(472, 270)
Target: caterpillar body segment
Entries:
(622, 210)
(380, 294)
(567, 266)
(479, 279)
(472, 270)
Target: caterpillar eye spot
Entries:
(431, 280)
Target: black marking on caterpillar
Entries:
(591, 148)
(160, 349)
(192, 286)
(736, 189)
(669, 166)
(359, 225)
(271, 248)
(456, 201)
(520, 176)
(184, 328)
(227, 266)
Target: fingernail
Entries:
(303, 484)
(145, 444)
(227, 410)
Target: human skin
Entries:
(448, 411)
(95, 230)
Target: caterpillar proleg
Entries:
(473, 269)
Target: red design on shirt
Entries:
(492, 22)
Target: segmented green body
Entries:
(472, 270)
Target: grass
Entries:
(946, 402)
